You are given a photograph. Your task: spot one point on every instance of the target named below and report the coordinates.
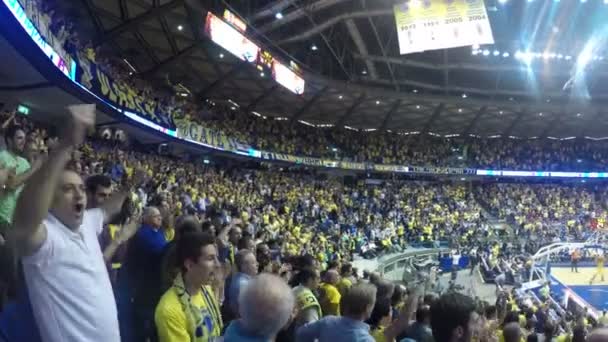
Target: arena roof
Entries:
(355, 75)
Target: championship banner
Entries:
(119, 95)
(442, 170)
(198, 134)
(352, 165)
(424, 25)
(389, 168)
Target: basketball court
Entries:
(577, 285)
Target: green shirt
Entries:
(8, 200)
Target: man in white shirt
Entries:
(63, 264)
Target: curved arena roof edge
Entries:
(60, 69)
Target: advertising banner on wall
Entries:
(120, 95)
(205, 136)
(424, 25)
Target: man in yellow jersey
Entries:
(309, 309)
(189, 310)
(599, 261)
(329, 295)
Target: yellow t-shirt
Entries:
(344, 285)
(171, 322)
(378, 334)
(330, 300)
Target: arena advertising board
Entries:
(424, 25)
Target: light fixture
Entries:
(606, 2)
(340, 97)
(501, 112)
(279, 15)
(548, 100)
(221, 55)
(486, 52)
(314, 47)
(415, 91)
(364, 72)
(475, 52)
(505, 54)
(417, 106)
(475, 46)
(503, 1)
(464, 96)
(511, 99)
(459, 110)
(262, 74)
(540, 114)
(496, 53)
(579, 115)
(180, 27)
(377, 102)
(583, 1)
(233, 108)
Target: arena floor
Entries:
(595, 294)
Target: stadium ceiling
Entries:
(355, 76)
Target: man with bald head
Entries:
(265, 307)
(329, 294)
(140, 277)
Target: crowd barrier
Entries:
(84, 73)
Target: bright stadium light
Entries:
(584, 58)
(486, 52)
(496, 53)
(505, 54)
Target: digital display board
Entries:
(230, 39)
(235, 21)
(226, 36)
(287, 78)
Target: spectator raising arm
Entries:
(15, 181)
(37, 195)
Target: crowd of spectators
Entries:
(177, 237)
(101, 242)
